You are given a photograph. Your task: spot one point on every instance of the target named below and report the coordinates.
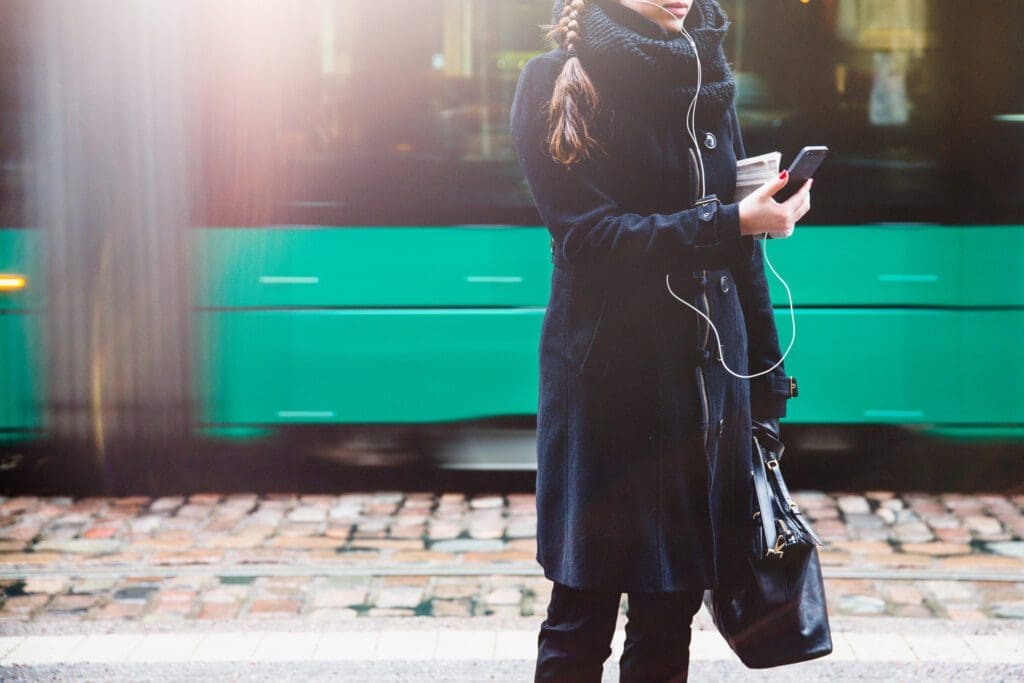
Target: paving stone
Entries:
(503, 610)
(399, 596)
(848, 586)
(100, 532)
(461, 545)
(861, 604)
(953, 535)
(983, 526)
(853, 505)
(340, 597)
(266, 607)
(462, 589)
(912, 532)
(71, 604)
(486, 501)
(224, 595)
(345, 512)
(900, 592)
(1007, 548)
(886, 515)
(486, 530)
(23, 605)
(916, 611)
(1009, 610)
(525, 544)
(119, 610)
(307, 514)
(84, 546)
(864, 521)
(957, 613)
(452, 608)
(451, 498)
(504, 596)
(408, 531)
(431, 556)
(342, 532)
(195, 556)
(390, 612)
(944, 522)
(45, 584)
(862, 547)
(950, 591)
(977, 562)
(93, 585)
(305, 542)
(831, 529)
(242, 539)
(526, 529)
(145, 525)
(936, 548)
(500, 557)
(165, 540)
(166, 504)
(134, 593)
(441, 530)
(387, 497)
(876, 534)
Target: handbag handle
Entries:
(764, 500)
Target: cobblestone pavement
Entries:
(245, 558)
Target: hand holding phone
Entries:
(801, 170)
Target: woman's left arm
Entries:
(769, 392)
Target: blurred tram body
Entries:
(223, 218)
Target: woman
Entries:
(643, 478)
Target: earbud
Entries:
(691, 128)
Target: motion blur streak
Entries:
(109, 134)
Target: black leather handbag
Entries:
(773, 612)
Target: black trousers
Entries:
(575, 638)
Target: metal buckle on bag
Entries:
(772, 464)
(780, 544)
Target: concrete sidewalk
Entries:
(485, 648)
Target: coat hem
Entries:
(552, 575)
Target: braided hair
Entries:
(574, 98)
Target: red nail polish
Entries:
(783, 174)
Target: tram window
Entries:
(313, 116)
(347, 112)
(920, 101)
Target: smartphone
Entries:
(801, 170)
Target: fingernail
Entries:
(783, 174)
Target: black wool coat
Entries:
(643, 477)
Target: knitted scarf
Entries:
(631, 58)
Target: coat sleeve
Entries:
(587, 225)
(769, 392)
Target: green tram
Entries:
(241, 217)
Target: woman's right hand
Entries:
(759, 213)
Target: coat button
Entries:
(724, 283)
(709, 140)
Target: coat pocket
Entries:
(588, 346)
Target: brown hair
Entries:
(574, 98)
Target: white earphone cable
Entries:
(691, 129)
